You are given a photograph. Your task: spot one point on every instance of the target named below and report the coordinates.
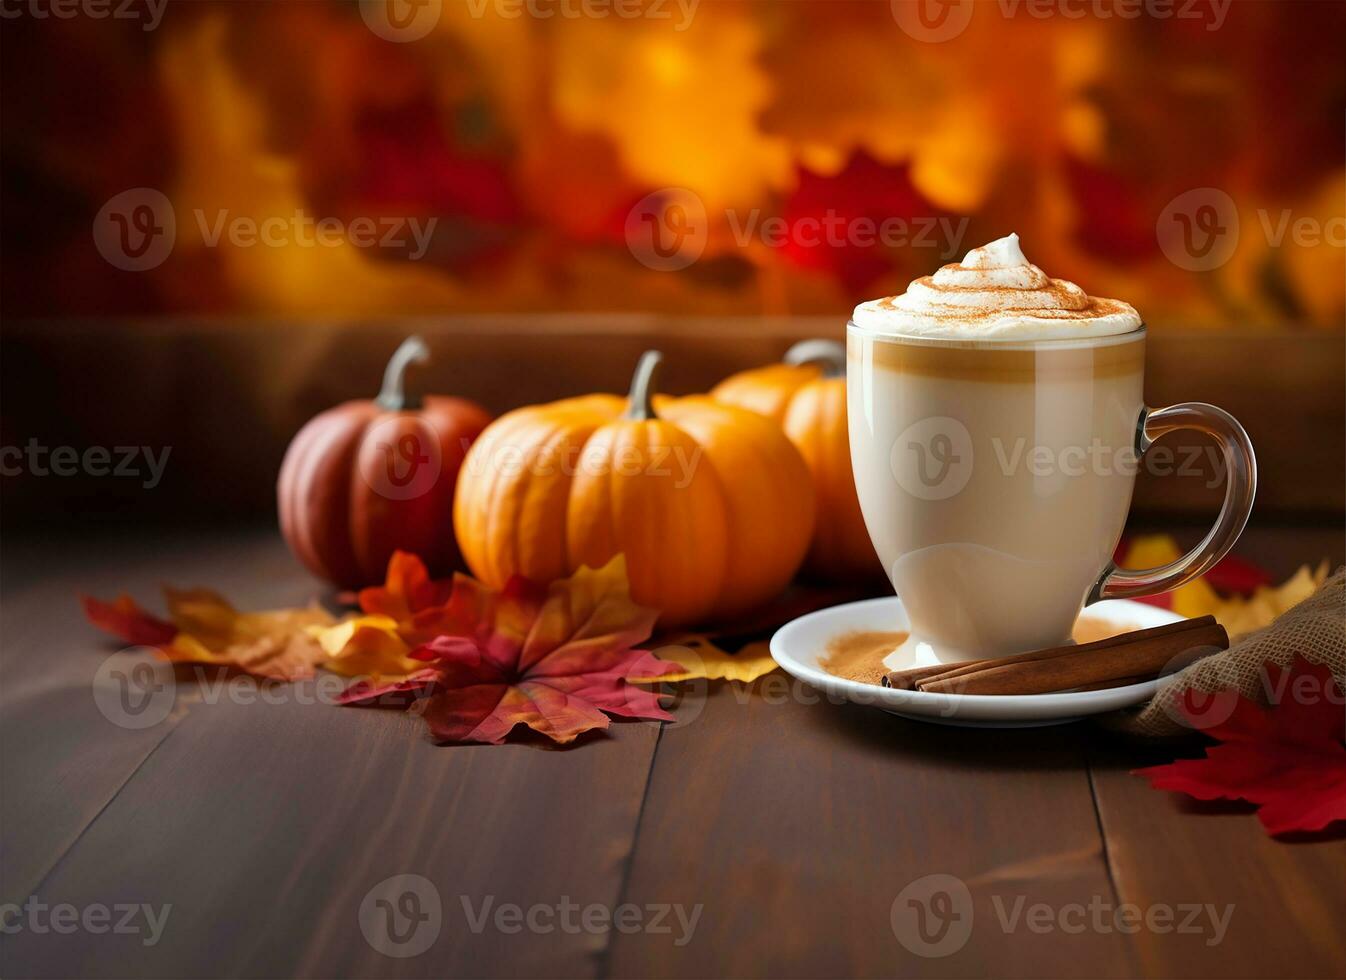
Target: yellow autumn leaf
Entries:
(1238, 615)
(275, 644)
(701, 658)
(1152, 550)
(1242, 616)
(366, 646)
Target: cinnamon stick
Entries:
(1140, 654)
(909, 679)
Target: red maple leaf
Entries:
(124, 618)
(824, 216)
(558, 659)
(1289, 759)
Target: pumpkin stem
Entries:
(827, 353)
(644, 383)
(393, 396)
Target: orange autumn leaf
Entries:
(417, 603)
(408, 609)
(559, 659)
(407, 589)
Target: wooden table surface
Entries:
(787, 825)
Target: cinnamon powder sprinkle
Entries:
(858, 655)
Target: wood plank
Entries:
(1166, 849)
(63, 760)
(1286, 898)
(796, 824)
(265, 826)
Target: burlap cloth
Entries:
(1315, 629)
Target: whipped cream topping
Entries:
(995, 293)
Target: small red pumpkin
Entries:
(367, 478)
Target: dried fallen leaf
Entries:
(558, 659)
(366, 646)
(1194, 599)
(206, 628)
(407, 610)
(1288, 759)
(1255, 604)
(1242, 616)
(276, 644)
(700, 657)
(124, 619)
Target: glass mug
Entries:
(995, 480)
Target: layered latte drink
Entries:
(994, 416)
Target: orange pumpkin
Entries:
(366, 478)
(711, 505)
(806, 396)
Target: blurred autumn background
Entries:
(530, 138)
(525, 136)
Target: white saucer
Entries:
(798, 645)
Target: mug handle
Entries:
(1240, 488)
